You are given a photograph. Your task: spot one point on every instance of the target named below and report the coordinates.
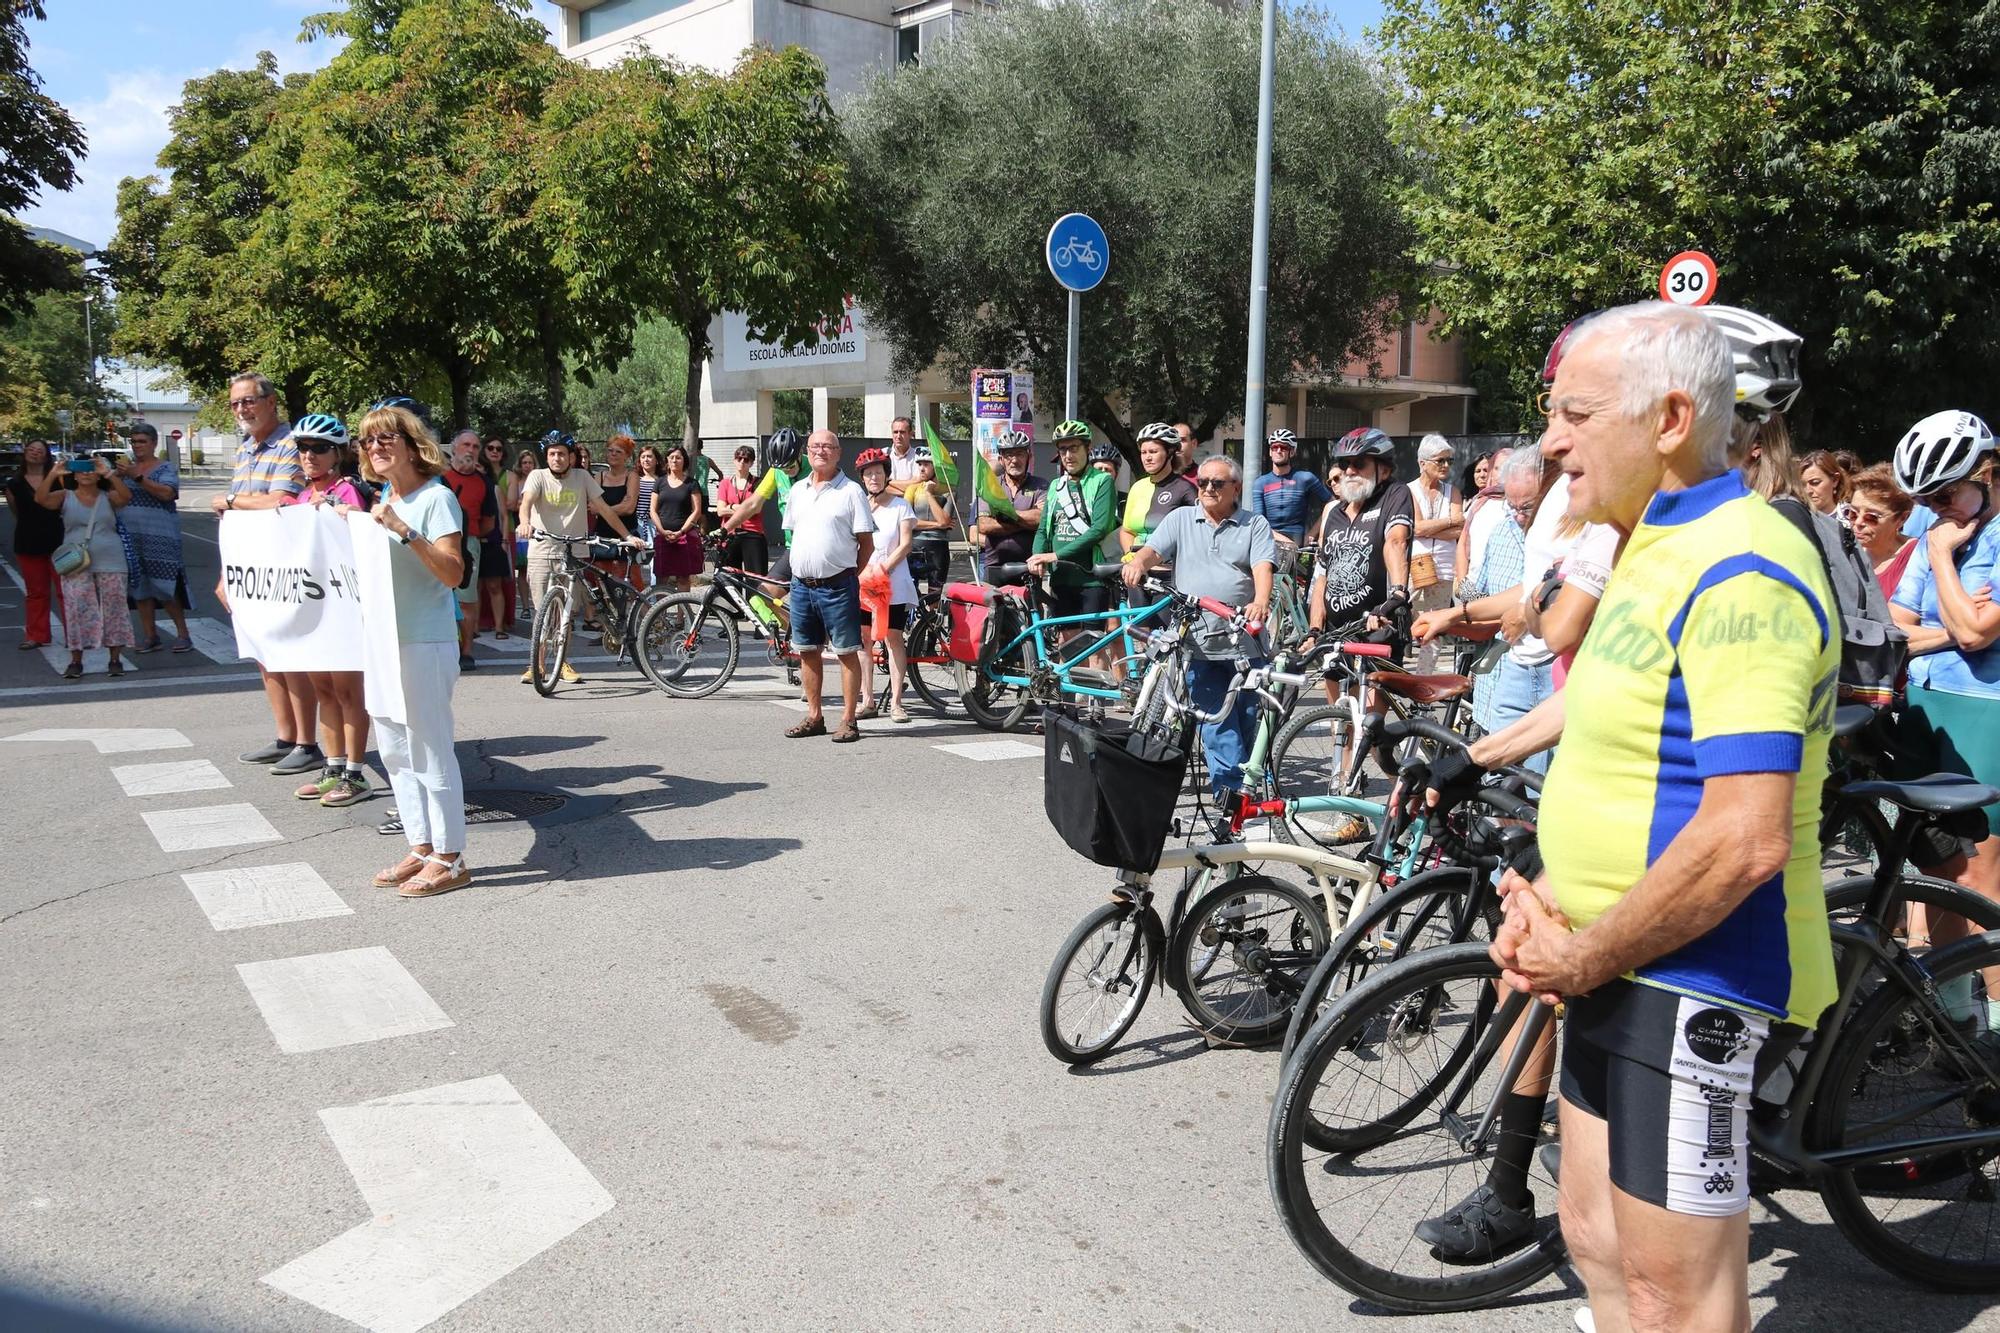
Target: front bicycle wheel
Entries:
(550, 646)
(993, 703)
(1099, 981)
(1911, 1068)
(1243, 954)
(1391, 1063)
(1426, 910)
(690, 646)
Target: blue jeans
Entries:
(1227, 742)
(827, 617)
(1516, 691)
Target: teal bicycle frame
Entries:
(1031, 637)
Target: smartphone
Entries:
(83, 465)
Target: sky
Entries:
(118, 65)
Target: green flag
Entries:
(988, 486)
(941, 459)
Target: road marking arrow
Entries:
(467, 1184)
(113, 740)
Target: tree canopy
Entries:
(1841, 162)
(39, 146)
(1143, 114)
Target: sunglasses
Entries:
(317, 446)
(381, 437)
(1213, 483)
(1867, 516)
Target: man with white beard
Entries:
(1362, 579)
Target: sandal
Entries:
(501, 634)
(183, 644)
(151, 646)
(74, 671)
(117, 668)
(847, 735)
(407, 868)
(455, 875)
(815, 726)
(867, 714)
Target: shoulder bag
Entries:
(74, 557)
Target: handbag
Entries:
(74, 557)
(1423, 571)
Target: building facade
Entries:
(1421, 381)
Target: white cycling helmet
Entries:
(1942, 448)
(1766, 356)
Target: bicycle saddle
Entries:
(1422, 689)
(1938, 794)
(1851, 718)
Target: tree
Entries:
(644, 394)
(683, 194)
(45, 359)
(199, 260)
(39, 146)
(1143, 114)
(1838, 160)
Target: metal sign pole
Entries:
(1075, 344)
(1260, 259)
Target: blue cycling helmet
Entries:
(319, 426)
(1365, 442)
(558, 437)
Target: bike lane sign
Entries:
(1078, 252)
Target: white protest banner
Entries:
(289, 578)
(380, 646)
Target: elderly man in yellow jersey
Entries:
(1681, 912)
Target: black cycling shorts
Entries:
(1088, 599)
(1671, 1076)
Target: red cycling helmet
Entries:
(867, 458)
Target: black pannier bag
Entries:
(1110, 794)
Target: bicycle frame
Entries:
(1033, 633)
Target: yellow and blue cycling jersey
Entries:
(1715, 651)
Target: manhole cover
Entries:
(499, 804)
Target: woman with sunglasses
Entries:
(1876, 510)
(426, 563)
(1944, 602)
(496, 558)
(343, 718)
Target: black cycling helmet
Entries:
(1365, 442)
(783, 447)
(1105, 452)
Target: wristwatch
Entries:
(404, 538)
(230, 501)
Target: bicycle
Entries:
(1894, 1102)
(1018, 670)
(1271, 931)
(615, 604)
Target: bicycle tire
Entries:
(1273, 945)
(1357, 952)
(549, 648)
(1360, 1264)
(615, 614)
(936, 682)
(640, 658)
(1894, 1029)
(1140, 950)
(672, 637)
(993, 704)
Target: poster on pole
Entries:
(1002, 401)
(379, 644)
(294, 598)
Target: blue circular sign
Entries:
(1079, 254)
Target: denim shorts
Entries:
(827, 617)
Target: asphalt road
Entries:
(775, 999)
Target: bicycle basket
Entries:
(1109, 803)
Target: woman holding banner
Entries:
(343, 719)
(425, 565)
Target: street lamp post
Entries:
(1260, 257)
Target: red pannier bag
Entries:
(969, 618)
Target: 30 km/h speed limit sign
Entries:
(1688, 279)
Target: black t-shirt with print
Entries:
(1350, 552)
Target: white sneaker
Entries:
(1585, 1320)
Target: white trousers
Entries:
(423, 767)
